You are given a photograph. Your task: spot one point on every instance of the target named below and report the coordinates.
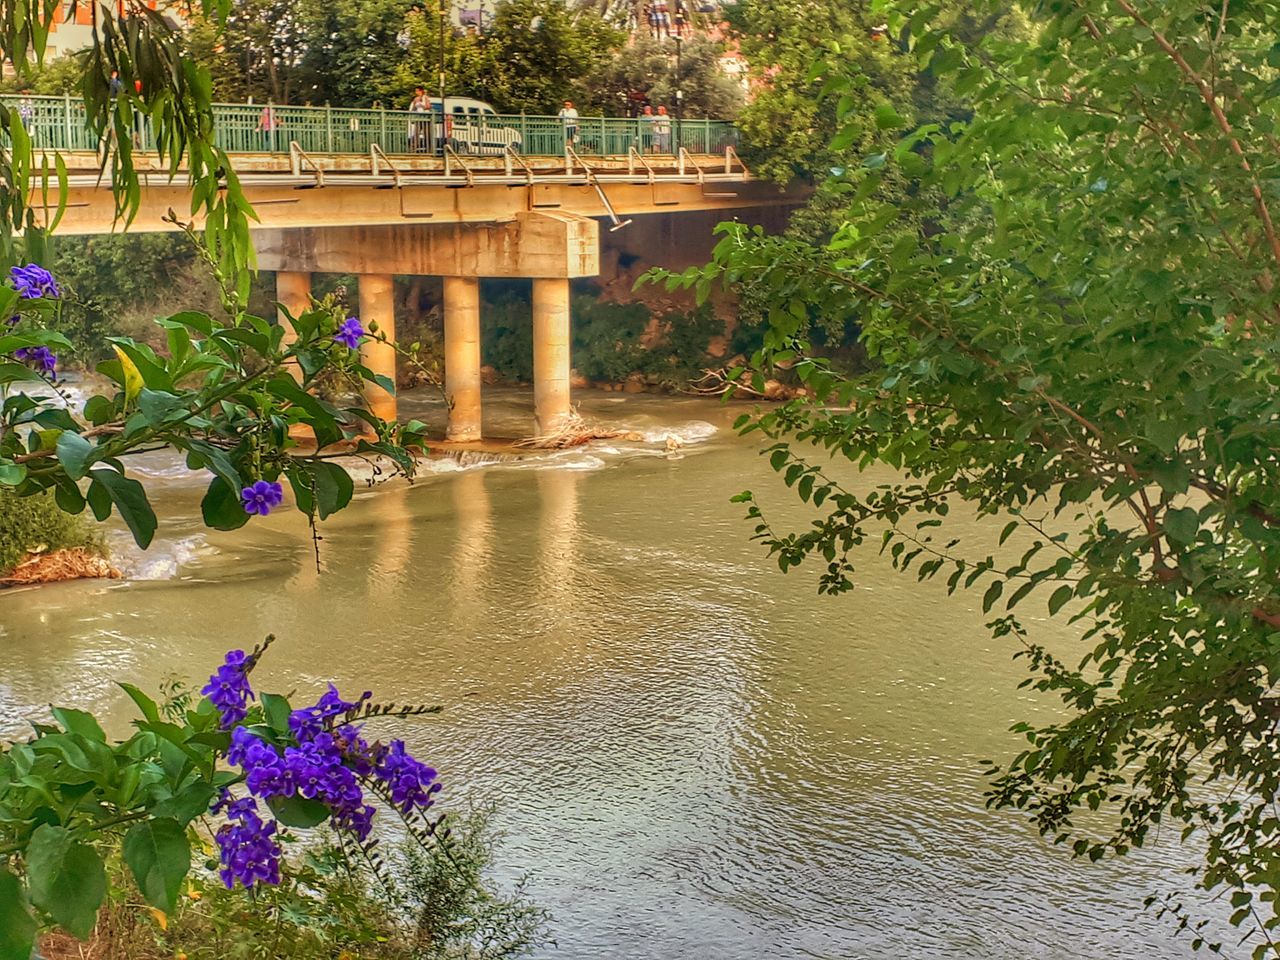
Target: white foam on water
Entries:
(163, 560)
(691, 431)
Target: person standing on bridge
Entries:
(267, 125)
(27, 113)
(662, 131)
(419, 129)
(569, 117)
(647, 120)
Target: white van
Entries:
(472, 126)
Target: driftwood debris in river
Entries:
(574, 432)
(59, 565)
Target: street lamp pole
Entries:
(679, 94)
(443, 15)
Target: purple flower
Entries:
(246, 849)
(261, 497)
(349, 333)
(266, 774)
(228, 689)
(410, 782)
(33, 282)
(309, 722)
(42, 358)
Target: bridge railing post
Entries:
(328, 127)
(66, 115)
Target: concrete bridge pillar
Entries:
(550, 354)
(462, 356)
(377, 307)
(293, 293)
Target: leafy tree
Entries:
(788, 123)
(649, 66)
(1071, 317)
(543, 51)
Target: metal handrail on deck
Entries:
(61, 124)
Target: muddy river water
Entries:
(691, 754)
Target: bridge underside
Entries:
(285, 201)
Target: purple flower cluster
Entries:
(410, 782)
(42, 358)
(349, 333)
(261, 497)
(33, 282)
(246, 847)
(321, 767)
(229, 689)
(327, 762)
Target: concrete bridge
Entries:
(365, 192)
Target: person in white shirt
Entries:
(569, 117)
(419, 134)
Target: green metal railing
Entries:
(58, 123)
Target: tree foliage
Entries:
(648, 66)
(1072, 319)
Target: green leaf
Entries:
(1182, 525)
(888, 118)
(12, 474)
(992, 595)
(145, 703)
(188, 803)
(334, 487)
(160, 408)
(68, 881)
(78, 721)
(1060, 597)
(131, 501)
(16, 373)
(159, 858)
(221, 506)
(299, 812)
(277, 710)
(17, 926)
(75, 453)
(98, 409)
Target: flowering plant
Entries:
(69, 796)
(233, 397)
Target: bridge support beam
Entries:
(462, 357)
(377, 309)
(550, 354)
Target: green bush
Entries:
(29, 523)
(335, 901)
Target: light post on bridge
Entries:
(679, 94)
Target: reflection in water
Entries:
(691, 755)
(390, 543)
(558, 536)
(469, 566)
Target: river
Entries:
(692, 755)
